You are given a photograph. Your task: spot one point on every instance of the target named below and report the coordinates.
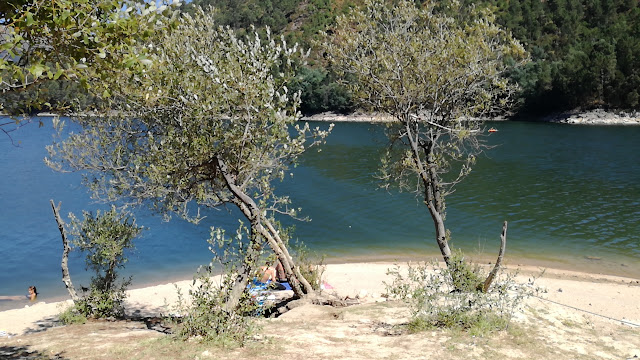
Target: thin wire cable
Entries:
(589, 312)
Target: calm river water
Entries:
(571, 195)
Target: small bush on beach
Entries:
(205, 315)
(104, 238)
(71, 315)
(206, 318)
(451, 297)
(102, 300)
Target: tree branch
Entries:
(496, 267)
(66, 277)
(440, 126)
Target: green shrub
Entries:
(71, 315)
(205, 316)
(452, 297)
(104, 238)
(101, 301)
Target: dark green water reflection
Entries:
(571, 195)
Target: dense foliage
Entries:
(104, 238)
(63, 96)
(203, 314)
(301, 22)
(585, 53)
(50, 41)
(448, 297)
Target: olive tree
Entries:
(211, 122)
(437, 75)
(45, 39)
(74, 40)
(104, 238)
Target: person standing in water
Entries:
(32, 295)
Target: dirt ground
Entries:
(579, 317)
(366, 331)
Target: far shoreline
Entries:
(596, 117)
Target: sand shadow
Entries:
(43, 325)
(23, 353)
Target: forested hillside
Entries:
(585, 53)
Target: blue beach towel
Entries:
(286, 285)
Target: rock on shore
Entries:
(596, 117)
(357, 116)
(591, 117)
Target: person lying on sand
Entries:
(31, 295)
(268, 273)
(270, 277)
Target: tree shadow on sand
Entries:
(43, 325)
(23, 353)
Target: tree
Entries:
(104, 238)
(52, 39)
(211, 121)
(44, 40)
(320, 92)
(437, 75)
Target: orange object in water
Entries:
(493, 130)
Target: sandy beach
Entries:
(606, 308)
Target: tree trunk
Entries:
(66, 277)
(292, 271)
(277, 245)
(441, 232)
(432, 195)
(251, 211)
(244, 275)
(503, 245)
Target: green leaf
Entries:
(58, 73)
(30, 20)
(6, 46)
(129, 62)
(37, 69)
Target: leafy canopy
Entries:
(104, 238)
(433, 70)
(208, 96)
(45, 39)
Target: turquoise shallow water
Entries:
(571, 195)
